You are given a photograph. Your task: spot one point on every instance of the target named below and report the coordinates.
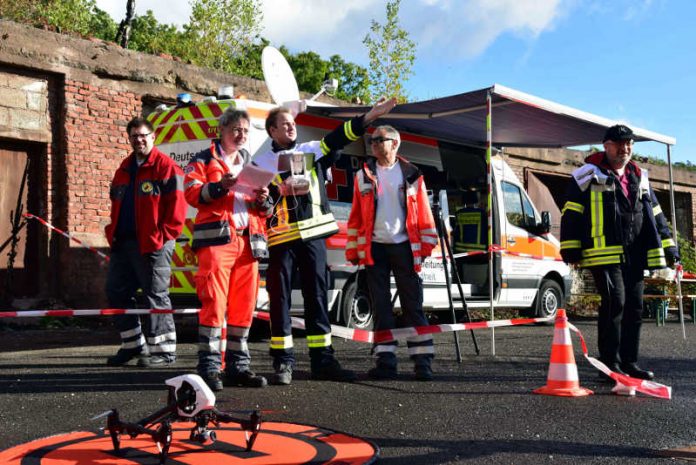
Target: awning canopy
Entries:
(519, 120)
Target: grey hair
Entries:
(231, 116)
(391, 132)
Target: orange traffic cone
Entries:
(563, 372)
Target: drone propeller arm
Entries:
(159, 416)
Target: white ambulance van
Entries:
(530, 277)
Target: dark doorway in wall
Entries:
(20, 241)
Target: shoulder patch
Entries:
(188, 169)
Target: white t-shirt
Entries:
(390, 217)
(240, 215)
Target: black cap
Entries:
(618, 133)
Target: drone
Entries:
(189, 400)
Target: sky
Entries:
(629, 60)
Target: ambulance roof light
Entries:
(183, 99)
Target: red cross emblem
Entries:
(339, 179)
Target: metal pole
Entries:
(675, 234)
(489, 208)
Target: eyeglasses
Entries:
(139, 136)
(240, 130)
(379, 140)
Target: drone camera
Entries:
(204, 438)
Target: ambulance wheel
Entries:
(356, 307)
(549, 298)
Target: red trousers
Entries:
(227, 284)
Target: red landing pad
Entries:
(277, 443)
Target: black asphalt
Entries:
(479, 411)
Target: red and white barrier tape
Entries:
(625, 385)
(97, 312)
(387, 335)
(69, 236)
(497, 248)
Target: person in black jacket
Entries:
(613, 225)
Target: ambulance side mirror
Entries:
(545, 226)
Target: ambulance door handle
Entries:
(511, 240)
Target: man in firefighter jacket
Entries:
(229, 238)
(470, 229)
(391, 229)
(301, 221)
(147, 214)
(613, 225)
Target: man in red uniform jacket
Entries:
(391, 229)
(147, 215)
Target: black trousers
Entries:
(398, 258)
(309, 258)
(620, 313)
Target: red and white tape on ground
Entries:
(69, 236)
(625, 385)
(97, 312)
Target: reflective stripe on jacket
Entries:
(598, 221)
(420, 225)
(160, 208)
(214, 222)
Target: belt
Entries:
(242, 232)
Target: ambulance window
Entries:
(518, 208)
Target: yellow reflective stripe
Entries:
(324, 148)
(597, 216)
(319, 340)
(361, 254)
(352, 232)
(669, 242)
(348, 131)
(573, 206)
(283, 238)
(281, 342)
(652, 253)
(657, 262)
(429, 240)
(657, 210)
(351, 245)
(431, 231)
(570, 244)
(611, 250)
(595, 261)
(362, 240)
(315, 193)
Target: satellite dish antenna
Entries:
(279, 78)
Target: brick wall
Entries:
(95, 144)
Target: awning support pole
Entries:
(489, 208)
(674, 235)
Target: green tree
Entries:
(150, 36)
(309, 70)
(353, 80)
(220, 31)
(392, 55)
